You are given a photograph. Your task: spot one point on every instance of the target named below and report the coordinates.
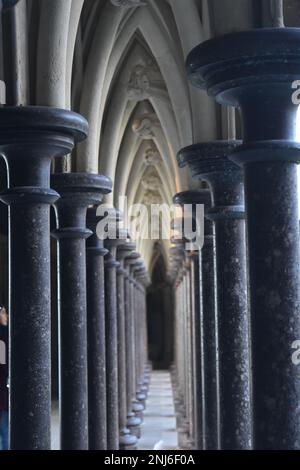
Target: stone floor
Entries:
(55, 427)
(159, 426)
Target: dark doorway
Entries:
(160, 315)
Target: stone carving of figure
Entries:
(152, 197)
(139, 84)
(145, 81)
(151, 182)
(145, 125)
(152, 157)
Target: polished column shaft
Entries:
(133, 421)
(111, 334)
(204, 322)
(30, 137)
(209, 162)
(77, 191)
(96, 336)
(131, 263)
(268, 156)
(127, 440)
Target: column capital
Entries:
(193, 197)
(121, 236)
(121, 271)
(255, 71)
(132, 258)
(81, 189)
(125, 250)
(196, 196)
(30, 137)
(95, 246)
(77, 191)
(209, 162)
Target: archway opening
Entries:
(160, 314)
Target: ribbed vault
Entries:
(121, 64)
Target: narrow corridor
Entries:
(159, 427)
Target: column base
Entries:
(127, 440)
(138, 408)
(141, 398)
(134, 425)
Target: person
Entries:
(3, 378)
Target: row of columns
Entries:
(249, 267)
(103, 372)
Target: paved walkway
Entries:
(159, 427)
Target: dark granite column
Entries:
(180, 309)
(144, 282)
(189, 355)
(204, 320)
(128, 441)
(96, 336)
(255, 71)
(138, 270)
(137, 405)
(209, 162)
(198, 399)
(211, 415)
(77, 191)
(111, 333)
(175, 277)
(136, 267)
(188, 348)
(183, 401)
(134, 409)
(30, 137)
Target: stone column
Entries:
(209, 162)
(133, 262)
(266, 94)
(128, 441)
(211, 415)
(187, 313)
(179, 312)
(96, 336)
(204, 320)
(133, 408)
(138, 269)
(198, 399)
(175, 277)
(77, 191)
(111, 334)
(189, 352)
(178, 254)
(144, 282)
(30, 138)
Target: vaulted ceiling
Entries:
(121, 63)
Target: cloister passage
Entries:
(122, 123)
